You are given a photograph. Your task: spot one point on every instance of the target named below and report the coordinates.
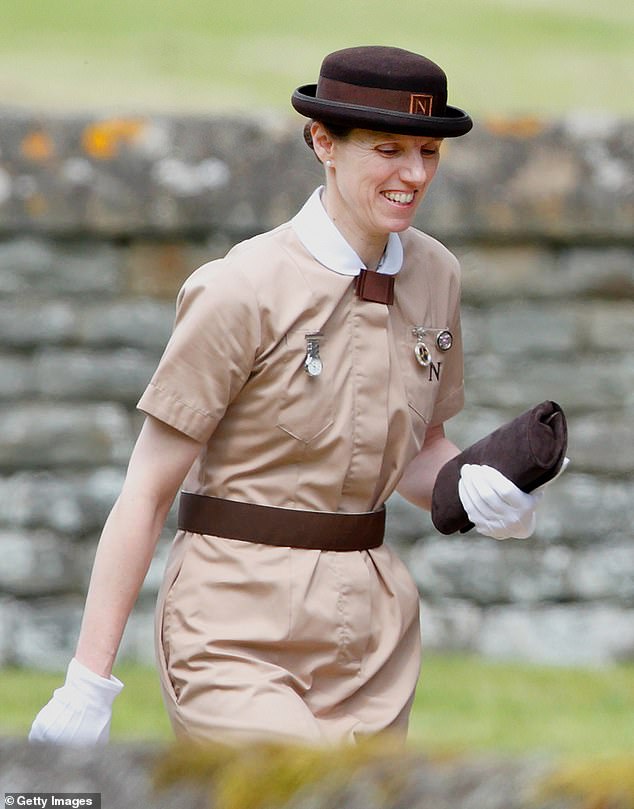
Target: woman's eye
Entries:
(387, 151)
(429, 152)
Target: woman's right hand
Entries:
(79, 712)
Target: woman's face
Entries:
(377, 181)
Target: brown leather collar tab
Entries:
(375, 286)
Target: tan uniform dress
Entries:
(256, 641)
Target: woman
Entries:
(308, 376)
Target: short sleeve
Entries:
(210, 354)
(450, 398)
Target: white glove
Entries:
(79, 712)
(495, 505)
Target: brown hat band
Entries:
(377, 97)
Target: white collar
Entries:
(319, 235)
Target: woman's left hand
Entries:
(495, 505)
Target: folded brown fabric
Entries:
(529, 450)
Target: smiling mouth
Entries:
(400, 197)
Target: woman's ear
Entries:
(323, 142)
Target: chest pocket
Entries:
(306, 407)
(424, 354)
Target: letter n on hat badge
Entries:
(420, 104)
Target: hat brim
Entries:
(454, 123)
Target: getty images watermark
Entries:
(47, 800)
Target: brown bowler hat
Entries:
(385, 89)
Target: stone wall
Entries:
(102, 219)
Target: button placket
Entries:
(370, 367)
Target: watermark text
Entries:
(49, 800)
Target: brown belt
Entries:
(286, 527)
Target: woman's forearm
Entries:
(159, 462)
(419, 477)
(124, 553)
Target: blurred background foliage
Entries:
(510, 57)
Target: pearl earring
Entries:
(329, 164)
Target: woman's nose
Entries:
(414, 170)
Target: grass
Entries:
(502, 56)
(463, 704)
(467, 703)
(139, 712)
